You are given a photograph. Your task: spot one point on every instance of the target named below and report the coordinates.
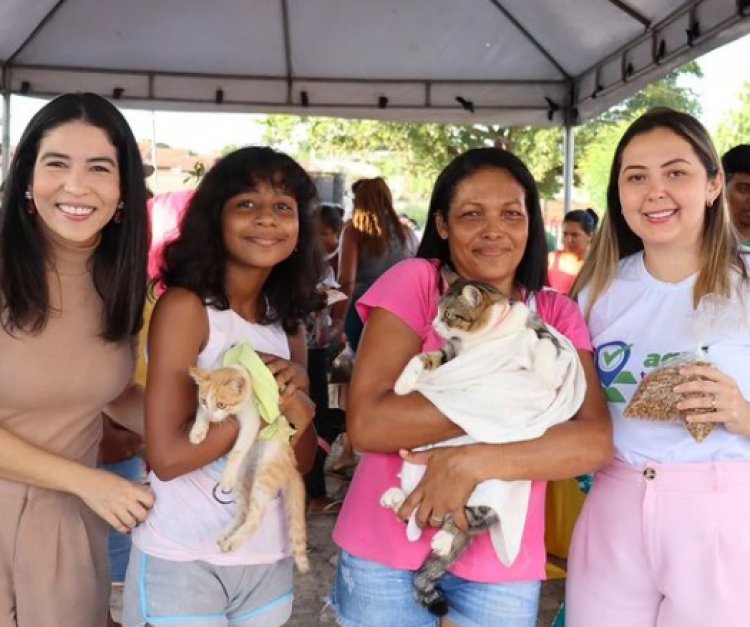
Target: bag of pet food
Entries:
(655, 400)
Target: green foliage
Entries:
(596, 160)
(197, 173)
(597, 140)
(734, 127)
(421, 151)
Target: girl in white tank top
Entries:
(244, 267)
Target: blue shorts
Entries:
(368, 594)
(118, 544)
(197, 594)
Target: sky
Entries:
(725, 69)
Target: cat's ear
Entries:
(472, 295)
(199, 375)
(448, 275)
(238, 384)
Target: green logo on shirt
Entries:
(611, 359)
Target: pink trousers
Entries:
(663, 546)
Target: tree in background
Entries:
(596, 141)
(422, 150)
(734, 128)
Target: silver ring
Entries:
(713, 402)
(436, 521)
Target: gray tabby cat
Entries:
(467, 312)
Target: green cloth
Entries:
(747, 242)
(265, 391)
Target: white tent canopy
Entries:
(512, 62)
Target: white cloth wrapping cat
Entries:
(506, 384)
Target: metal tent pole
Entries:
(569, 147)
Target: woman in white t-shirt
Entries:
(664, 537)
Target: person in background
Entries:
(736, 163)
(663, 540)
(322, 337)
(372, 242)
(485, 222)
(330, 224)
(73, 250)
(412, 231)
(579, 227)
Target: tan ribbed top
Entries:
(54, 385)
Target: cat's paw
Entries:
(228, 479)
(393, 498)
(441, 543)
(228, 543)
(302, 562)
(198, 432)
(407, 381)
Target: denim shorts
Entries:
(368, 594)
(118, 544)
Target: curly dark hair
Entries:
(119, 262)
(196, 259)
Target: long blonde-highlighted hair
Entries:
(374, 219)
(615, 240)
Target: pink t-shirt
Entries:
(410, 290)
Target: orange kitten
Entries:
(256, 469)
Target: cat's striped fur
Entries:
(466, 311)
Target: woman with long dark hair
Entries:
(73, 246)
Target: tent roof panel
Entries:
(470, 40)
(506, 61)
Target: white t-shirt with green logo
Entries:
(640, 323)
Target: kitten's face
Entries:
(221, 392)
(469, 308)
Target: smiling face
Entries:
(260, 226)
(487, 227)
(664, 190)
(76, 182)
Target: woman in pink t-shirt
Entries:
(485, 221)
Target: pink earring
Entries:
(117, 219)
(30, 206)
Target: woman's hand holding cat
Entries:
(123, 504)
(290, 375)
(449, 480)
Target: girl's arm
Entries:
(121, 503)
(377, 419)
(347, 272)
(127, 409)
(177, 334)
(298, 407)
(581, 445)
